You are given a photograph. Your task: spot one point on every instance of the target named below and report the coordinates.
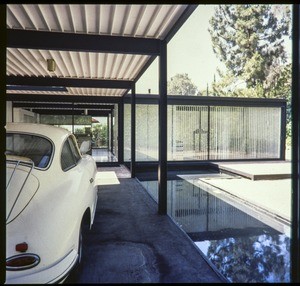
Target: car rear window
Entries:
(36, 148)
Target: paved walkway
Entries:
(130, 243)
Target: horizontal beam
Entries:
(26, 39)
(152, 99)
(70, 112)
(62, 98)
(208, 100)
(68, 82)
(55, 105)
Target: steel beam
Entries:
(25, 39)
(67, 82)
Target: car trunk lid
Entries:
(21, 185)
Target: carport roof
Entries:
(99, 49)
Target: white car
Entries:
(51, 197)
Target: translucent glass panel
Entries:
(65, 119)
(206, 132)
(146, 132)
(244, 132)
(187, 132)
(127, 132)
(223, 132)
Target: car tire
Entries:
(74, 275)
(82, 235)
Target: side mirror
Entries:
(85, 147)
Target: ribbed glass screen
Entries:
(206, 132)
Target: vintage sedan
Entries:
(51, 198)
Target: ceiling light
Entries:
(51, 65)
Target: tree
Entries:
(249, 40)
(181, 84)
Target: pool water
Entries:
(240, 246)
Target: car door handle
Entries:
(91, 180)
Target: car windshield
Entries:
(34, 147)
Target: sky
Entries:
(190, 51)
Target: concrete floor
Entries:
(131, 243)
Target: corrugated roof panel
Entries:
(120, 20)
(77, 12)
(150, 16)
(96, 91)
(150, 21)
(17, 17)
(73, 64)
(51, 20)
(163, 15)
(105, 19)
(174, 13)
(63, 17)
(136, 20)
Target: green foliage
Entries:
(181, 84)
(249, 40)
(99, 134)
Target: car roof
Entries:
(54, 133)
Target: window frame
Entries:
(71, 146)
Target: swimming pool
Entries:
(243, 247)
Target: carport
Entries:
(100, 52)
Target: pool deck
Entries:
(257, 170)
(263, 188)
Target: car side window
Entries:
(70, 154)
(74, 149)
(67, 158)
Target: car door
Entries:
(83, 167)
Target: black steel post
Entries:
(163, 108)
(295, 243)
(111, 131)
(283, 133)
(208, 132)
(73, 117)
(107, 136)
(120, 138)
(3, 99)
(132, 162)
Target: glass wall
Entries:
(82, 128)
(223, 132)
(198, 132)
(146, 132)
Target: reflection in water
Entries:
(241, 247)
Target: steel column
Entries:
(163, 119)
(112, 132)
(120, 138)
(73, 117)
(132, 162)
(107, 140)
(295, 241)
(283, 133)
